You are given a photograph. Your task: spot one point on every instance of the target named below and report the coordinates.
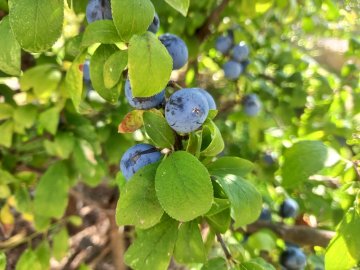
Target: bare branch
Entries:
(297, 234)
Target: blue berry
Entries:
(265, 214)
(155, 25)
(293, 259)
(176, 48)
(186, 110)
(223, 44)
(252, 104)
(137, 157)
(209, 98)
(98, 10)
(240, 52)
(143, 103)
(232, 70)
(289, 208)
(269, 159)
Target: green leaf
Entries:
(158, 130)
(218, 263)
(220, 222)
(28, 261)
(189, 247)
(43, 79)
(218, 206)
(23, 200)
(256, 264)
(74, 80)
(150, 65)
(60, 244)
(6, 177)
(62, 146)
(344, 250)
(53, 187)
(262, 240)
(138, 204)
(36, 24)
(154, 247)
(49, 120)
(86, 165)
(183, 186)
(43, 254)
(2, 261)
(6, 111)
(24, 117)
(230, 165)
(212, 141)
(98, 60)
(114, 67)
(10, 51)
(132, 17)
(302, 160)
(246, 202)
(102, 31)
(180, 5)
(6, 133)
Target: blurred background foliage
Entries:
(304, 66)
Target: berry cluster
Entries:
(238, 54)
(185, 110)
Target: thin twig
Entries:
(224, 247)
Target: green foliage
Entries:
(313, 156)
(132, 24)
(9, 50)
(98, 60)
(138, 204)
(31, 23)
(149, 64)
(153, 248)
(183, 186)
(158, 130)
(58, 132)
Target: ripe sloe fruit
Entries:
(232, 70)
(240, 52)
(137, 157)
(154, 26)
(143, 103)
(289, 208)
(293, 259)
(186, 110)
(252, 104)
(176, 48)
(223, 44)
(98, 10)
